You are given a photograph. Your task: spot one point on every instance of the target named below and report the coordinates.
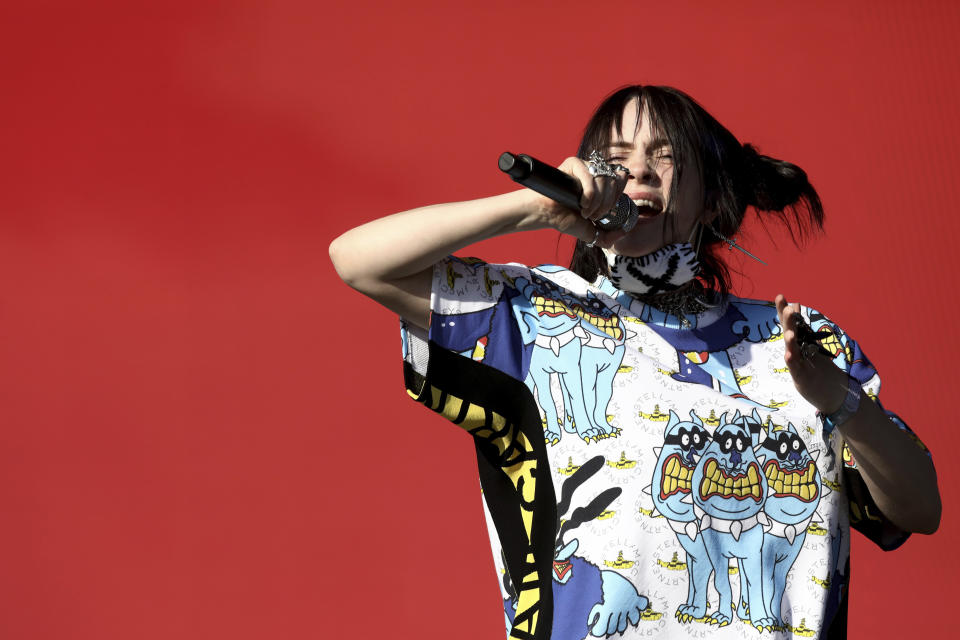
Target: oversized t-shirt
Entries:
(640, 477)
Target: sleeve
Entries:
(865, 516)
(470, 368)
(476, 311)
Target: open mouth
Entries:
(552, 308)
(555, 308)
(648, 208)
(676, 477)
(561, 568)
(717, 482)
(797, 484)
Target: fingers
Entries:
(789, 315)
(600, 193)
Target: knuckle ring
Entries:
(597, 166)
(596, 236)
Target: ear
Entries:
(674, 420)
(710, 211)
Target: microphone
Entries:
(564, 189)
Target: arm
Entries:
(391, 259)
(899, 474)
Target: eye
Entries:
(663, 155)
(740, 445)
(783, 448)
(685, 440)
(697, 439)
(796, 445)
(727, 444)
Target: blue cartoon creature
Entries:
(702, 353)
(728, 493)
(580, 341)
(683, 441)
(586, 600)
(795, 490)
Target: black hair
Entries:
(734, 176)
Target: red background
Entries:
(204, 432)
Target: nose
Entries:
(642, 168)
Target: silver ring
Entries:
(596, 236)
(597, 166)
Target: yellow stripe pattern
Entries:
(517, 459)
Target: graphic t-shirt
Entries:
(640, 477)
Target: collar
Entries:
(736, 528)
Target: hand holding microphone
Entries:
(614, 210)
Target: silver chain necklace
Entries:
(681, 302)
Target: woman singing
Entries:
(657, 455)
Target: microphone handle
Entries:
(542, 178)
(563, 188)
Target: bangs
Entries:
(670, 116)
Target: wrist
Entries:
(528, 211)
(847, 408)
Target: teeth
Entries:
(752, 475)
(710, 468)
(805, 492)
(672, 466)
(647, 203)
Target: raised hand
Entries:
(815, 376)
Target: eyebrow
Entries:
(656, 143)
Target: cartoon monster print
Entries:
(795, 489)
(753, 424)
(581, 341)
(702, 355)
(729, 490)
(683, 442)
(586, 600)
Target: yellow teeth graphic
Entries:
(610, 326)
(676, 477)
(799, 483)
(554, 308)
(717, 482)
(831, 343)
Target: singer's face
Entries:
(648, 156)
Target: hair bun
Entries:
(772, 185)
